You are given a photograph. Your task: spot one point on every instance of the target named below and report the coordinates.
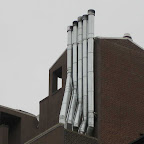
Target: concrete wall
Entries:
(22, 126)
(58, 135)
(71, 137)
(3, 134)
(51, 105)
(55, 136)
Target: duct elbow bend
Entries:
(83, 126)
(65, 102)
(90, 127)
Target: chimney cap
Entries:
(79, 18)
(75, 23)
(85, 17)
(69, 28)
(91, 12)
(127, 35)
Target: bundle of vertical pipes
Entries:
(77, 110)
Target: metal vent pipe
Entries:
(128, 36)
(91, 14)
(85, 75)
(75, 92)
(80, 73)
(68, 87)
(78, 102)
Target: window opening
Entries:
(57, 80)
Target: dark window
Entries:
(57, 79)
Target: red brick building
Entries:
(118, 100)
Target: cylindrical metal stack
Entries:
(85, 74)
(75, 55)
(91, 14)
(68, 87)
(80, 53)
(78, 102)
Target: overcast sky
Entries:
(33, 34)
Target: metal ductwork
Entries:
(80, 74)
(85, 74)
(91, 14)
(68, 87)
(127, 36)
(75, 87)
(77, 110)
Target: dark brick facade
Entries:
(3, 134)
(54, 135)
(21, 126)
(50, 106)
(121, 91)
(119, 101)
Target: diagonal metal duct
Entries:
(68, 87)
(75, 92)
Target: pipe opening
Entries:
(69, 28)
(75, 23)
(127, 35)
(91, 12)
(85, 17)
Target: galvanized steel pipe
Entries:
(68, 87)
(91, 14)
(85, 75)
(75, 92)
(80, 69)
(78, 101)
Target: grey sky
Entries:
(33, 35)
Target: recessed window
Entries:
(57, 79)
(59, 84)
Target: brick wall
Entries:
(121, 96)
(51, 105)
(3, 134)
